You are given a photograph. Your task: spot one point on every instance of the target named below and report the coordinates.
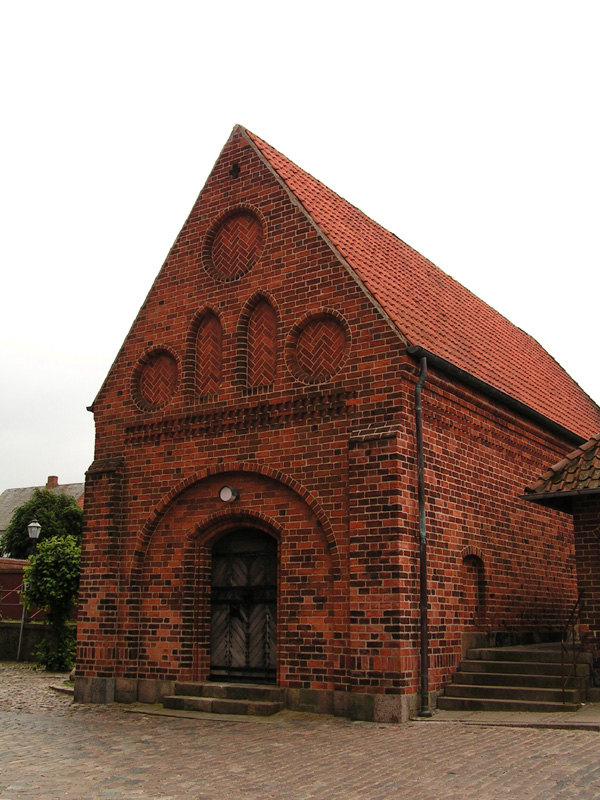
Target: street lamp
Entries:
(33, 529)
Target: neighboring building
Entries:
(11, 581)
(573, 487)
(11, 499)
(251, 513)
(11, 569)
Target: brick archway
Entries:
(171, 496)
(237, 557)
(169, 593)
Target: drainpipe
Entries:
(425, 710)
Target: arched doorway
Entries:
(244, 607)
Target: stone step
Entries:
(231, 691)
(540, 654)
(226, 698)
(490, 692)
(521, 678)
(512, 679)
(218, 705)
(482, 704)
(520, 667)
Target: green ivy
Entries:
(52, 583)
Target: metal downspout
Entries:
(425, 710)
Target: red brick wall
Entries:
(587, 549)
(258, 361)
(486, 545)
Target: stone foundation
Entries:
(393, 708)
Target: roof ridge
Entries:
(432, 309)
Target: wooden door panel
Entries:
(261, 650)
(239, 639)
(220, 639)
(243, 624)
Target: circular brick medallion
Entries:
(317, 347)
(234, 243)
(155, 379)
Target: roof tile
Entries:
(578, 471)
(434, 311)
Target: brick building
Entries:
(572, 486)
(252, 512)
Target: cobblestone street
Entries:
(54, 749)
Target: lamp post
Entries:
(33, 529)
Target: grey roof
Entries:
(11, 499)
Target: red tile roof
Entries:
(577, 473)
(432, 310)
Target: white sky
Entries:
(470, 129)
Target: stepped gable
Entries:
(578, 473)
(432, 310)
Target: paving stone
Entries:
(51, 748)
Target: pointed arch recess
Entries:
(170, 497)
(208, 531)
(204, 362)
(475, 584)
(470, 550)
(258, 346)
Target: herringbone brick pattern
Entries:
(321, 347)
(158, 380)
(237, 244)
(209, 355)
(262, 345)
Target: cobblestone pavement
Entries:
(51, 749)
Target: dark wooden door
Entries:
(244, 607)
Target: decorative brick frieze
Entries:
(301, 409)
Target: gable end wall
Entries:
(324, 462)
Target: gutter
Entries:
(495, 394)
(559, 500)
(423, 591)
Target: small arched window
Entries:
(474, 588)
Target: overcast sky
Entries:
(470, 129)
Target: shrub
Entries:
(52, 583)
